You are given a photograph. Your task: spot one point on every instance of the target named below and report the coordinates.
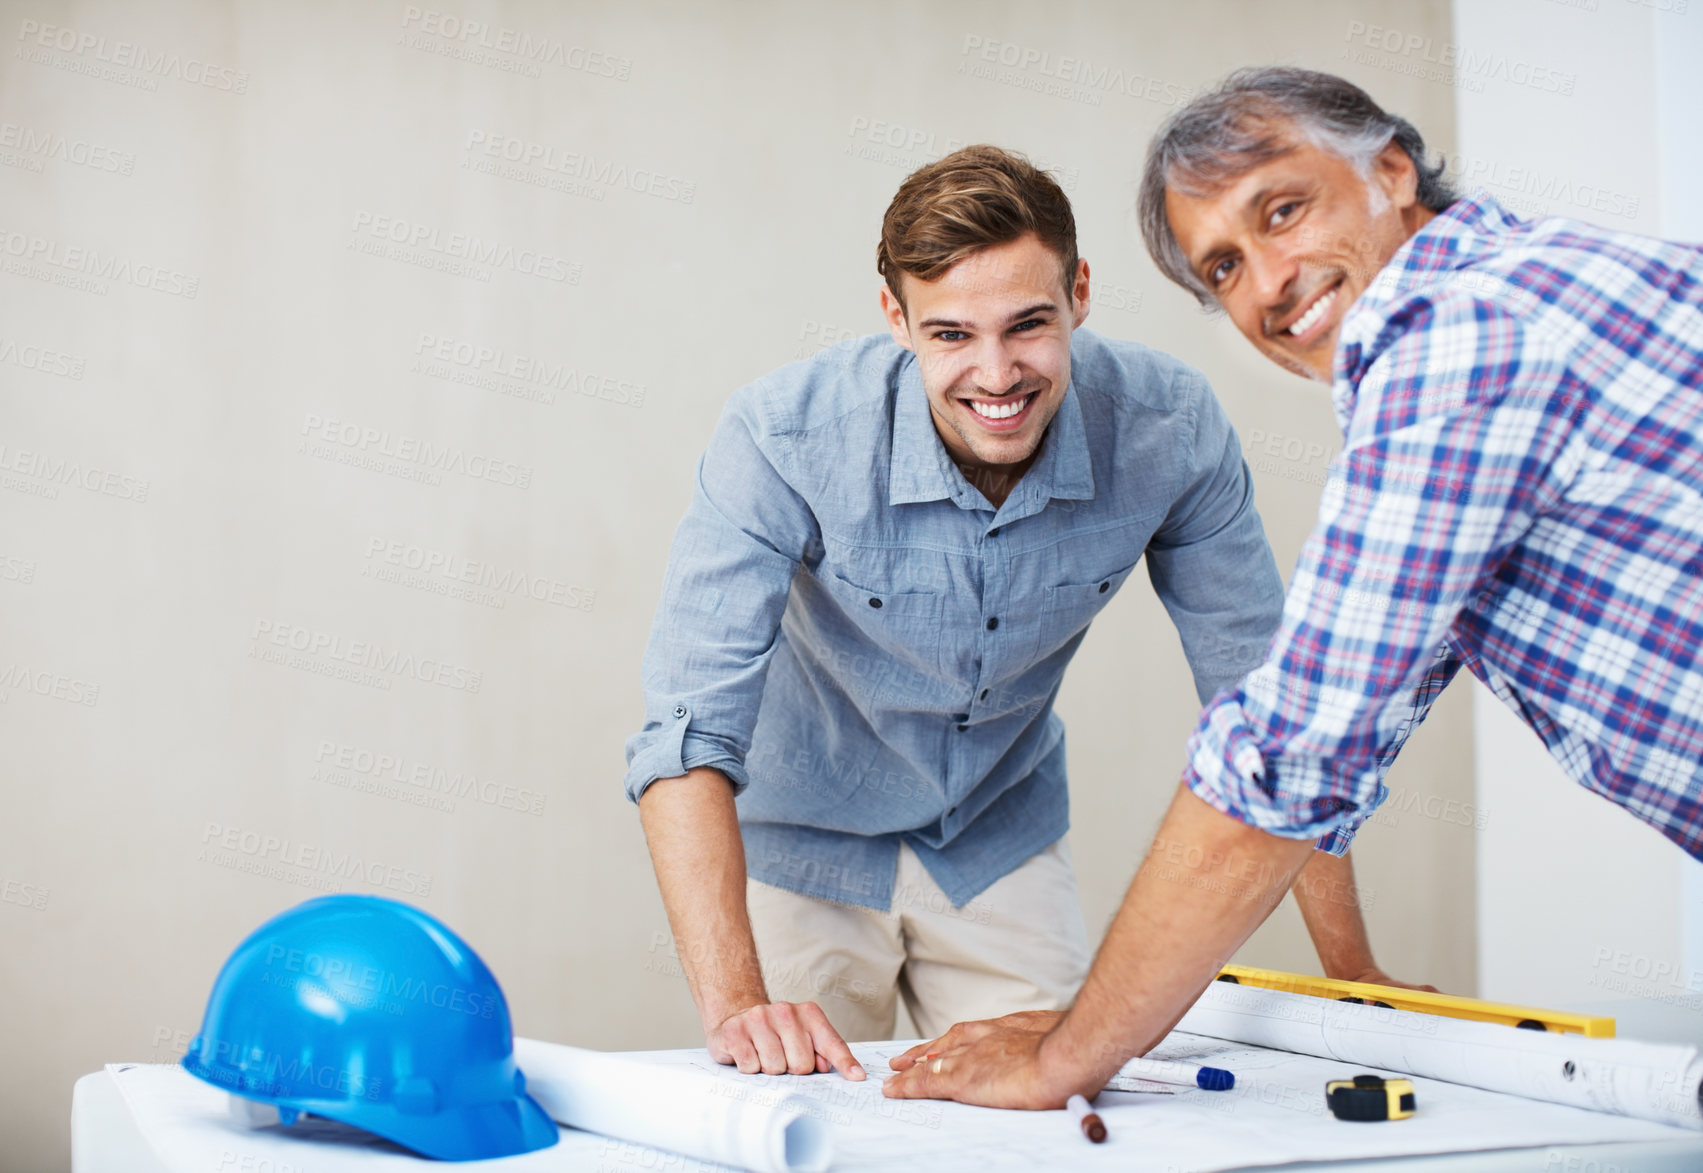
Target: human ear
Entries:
(1079, 293)
(897, 325)
(1394, 172)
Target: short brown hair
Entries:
(972, 199)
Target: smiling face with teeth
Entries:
(1287, 246)
(992, 339)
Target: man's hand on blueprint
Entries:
(996, 1062)
(964, 1033)
(776, 1038)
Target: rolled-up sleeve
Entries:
(1454, 447)
(1210, 563)
(729, 573)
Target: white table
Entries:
(105, 1137)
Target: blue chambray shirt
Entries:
(870, 651)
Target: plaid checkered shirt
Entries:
(1520, 492)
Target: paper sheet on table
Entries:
(1275, 1115)
(696, 1113)
(1651, 1081)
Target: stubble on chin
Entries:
(1293, 365)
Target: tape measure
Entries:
(1370, 1097)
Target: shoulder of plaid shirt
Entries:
(1521, 492)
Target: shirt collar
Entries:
(922, 469)
(1440, 246)
(1062, 469)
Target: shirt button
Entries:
(961, 728)
(994, 532)
(984, 694)
(993, 624)
(951, 812)
(960, 716)
(1104, 587)
(679, 710)
(875, 603)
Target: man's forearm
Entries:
(699, 858)
(1330, 904)
(1207, 883)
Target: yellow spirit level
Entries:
(1422, 1002)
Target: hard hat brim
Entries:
(475, 1132)
(471, 1133)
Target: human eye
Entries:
(1283, 212)
(950, 336)
(1029, 324)
(1220, 271)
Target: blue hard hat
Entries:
(371, 1012)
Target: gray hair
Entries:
(1252, 117)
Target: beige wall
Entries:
(198, 514)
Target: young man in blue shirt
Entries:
(850, 766)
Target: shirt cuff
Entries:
(668, 748)
(1337, 842)
(1227, 771)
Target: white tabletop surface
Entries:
(107, 1139)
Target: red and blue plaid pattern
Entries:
(1520, 492)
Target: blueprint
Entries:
(1275, 1114)
(1652, 1081)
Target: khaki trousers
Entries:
(1020, 945)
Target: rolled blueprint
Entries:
(1649, 1081)
(721, 1120)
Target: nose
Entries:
(1271, 278)
(996, 368)
(1272, 274)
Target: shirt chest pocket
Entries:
(895, 620)
(1071, 607)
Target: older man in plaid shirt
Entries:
(1520, 493)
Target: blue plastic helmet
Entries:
(371, 1012)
